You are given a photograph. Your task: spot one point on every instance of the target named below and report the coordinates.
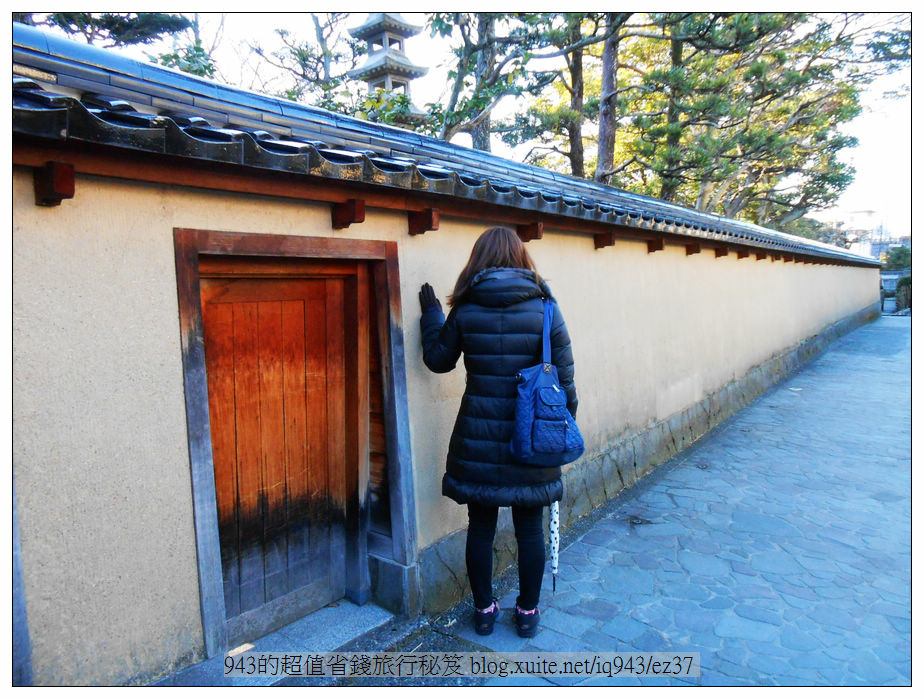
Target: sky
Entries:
(879, 196)
(881, 190)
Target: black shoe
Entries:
(527, 624)
(484, 621)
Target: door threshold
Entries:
(322, 631)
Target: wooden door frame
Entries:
(397, 557)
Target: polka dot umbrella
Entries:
(553, 540)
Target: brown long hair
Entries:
(496, 247)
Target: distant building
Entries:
(879, 249)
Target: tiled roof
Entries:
(88, 94)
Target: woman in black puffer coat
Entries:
(496, 322)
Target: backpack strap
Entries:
(547, 332)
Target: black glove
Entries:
(428, 300)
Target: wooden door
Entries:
(277, 351)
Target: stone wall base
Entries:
(395, 587)
(598, 477)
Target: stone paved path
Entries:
(778, 546)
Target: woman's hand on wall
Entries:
(428, 300)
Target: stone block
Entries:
(395, 587)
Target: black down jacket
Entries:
(498, 327)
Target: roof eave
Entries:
(343, 148)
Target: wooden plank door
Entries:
(276, 354)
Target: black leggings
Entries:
(479, 553)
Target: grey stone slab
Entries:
(695, 619)
(599, 642)
(568, 624)
(747, 629)
(685, 591)
(798, 640)
(596, 608)
(773, 649)
(816, 660)
(754, 591)
(732, 653)
(646, 561)
(653, 615)
(651, 641)
(628, 580)
(332, 626)
(666, 529)
(870, 670)
(624, 628)
(775, 562)
(750, 611)
(893, 610)
(890, 654)
(839, 652)
(769, 666)
(702, 641)
(902, 626)
(832, 676)
(701, 564)
(827, 615)
(815, 565)
(763, 524)
(833, 591)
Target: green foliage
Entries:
(116, 29)
(899, 258)
(903, 293)
(737, 114)
(385, 107)
(192, 58)
(492, 51)
(110, 29)
(733, 113)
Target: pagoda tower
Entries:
(387, 67)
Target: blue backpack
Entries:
(545, 434)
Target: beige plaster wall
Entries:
(652, 333)
(100, 448)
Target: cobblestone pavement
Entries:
(778, 546)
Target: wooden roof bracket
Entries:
(347, 212)
(694, 248)
(760, 255)
(603, 240)
(655, 244)
(743, 254)
(419, 222)
(53, 182)
(721, 251)
(529, 231)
